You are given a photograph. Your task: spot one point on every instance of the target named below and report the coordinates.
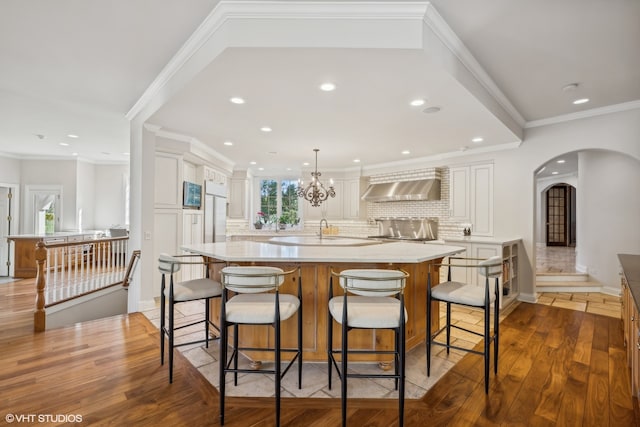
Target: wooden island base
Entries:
(315, 289)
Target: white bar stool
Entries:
(469, 295)
(189, 290)
(377, 303)
(257, 301)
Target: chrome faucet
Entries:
(326, 225)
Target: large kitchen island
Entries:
(316, 259)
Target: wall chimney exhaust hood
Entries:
(423, 189)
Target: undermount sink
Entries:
(317, 241)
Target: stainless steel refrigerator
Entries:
(215, 212)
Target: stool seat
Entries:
(257, 300)
(368, 312)
(175, 292)
(371, 299)
(461, 293)
(260, 308)
(195, 289)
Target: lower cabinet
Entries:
(631, 326)
(509, 288)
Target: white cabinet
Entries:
(192, 233)
(509, 286)
(471, 197)
(331, 209)
(459, 193)
(238, 198)
(354, 207)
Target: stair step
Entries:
(555, 277)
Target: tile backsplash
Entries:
(421, 208)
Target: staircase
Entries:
(566, 282)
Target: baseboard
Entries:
(531, 298)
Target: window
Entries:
(279, 202)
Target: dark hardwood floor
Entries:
(556, 367)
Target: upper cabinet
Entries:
(471, 197)
(238, 198)
(332, 208)
(353, 206)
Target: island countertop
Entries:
(315, 261)
(393, 252)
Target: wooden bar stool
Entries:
(377, 303)
(481, 296)
(257, 301)
(189, 290)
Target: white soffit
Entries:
(332, 25)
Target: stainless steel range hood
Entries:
(423, 189)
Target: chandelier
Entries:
(315, 192)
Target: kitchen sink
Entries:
(325, 241)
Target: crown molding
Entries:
(616, 108)
(451, 40)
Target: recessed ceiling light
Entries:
(236, 100)
(72, 135)
(74, 154)
(554, 173)
(64, 144)
(288, 169)
(356, 160)
(570, 87)
(228, 143)
(542, 170)
(431, 110)
(305, 164)
(560, 161)
(477, 139)
(266, 129)
(327, 87)
(417, 102)
(406, 152)
(125, 154)
(260, 169)
(252, 163)
(581, 101)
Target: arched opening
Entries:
(586, 210)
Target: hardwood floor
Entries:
(557, 367)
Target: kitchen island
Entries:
(316, 263)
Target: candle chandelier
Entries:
(315, 192)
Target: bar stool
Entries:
(189, 290)
(257, 301)
(377, 303)
(451, 292)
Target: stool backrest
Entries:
(252, 279)
(373, 282)
(491, 267)
(168, 264)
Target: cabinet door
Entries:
(635, 348)
(351, 202)
(462, 275)
(459, 193)
(329, 209)
(481, 199)
(483, 251)
(237, 199)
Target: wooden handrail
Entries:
(39, 316)
(135, 256)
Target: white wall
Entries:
(53, 172)
(110, 181)
(10, 170)
(608, 206)
(85, 195)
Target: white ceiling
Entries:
(72, 67)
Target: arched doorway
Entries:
(560, 224)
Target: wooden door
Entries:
(557, 216)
